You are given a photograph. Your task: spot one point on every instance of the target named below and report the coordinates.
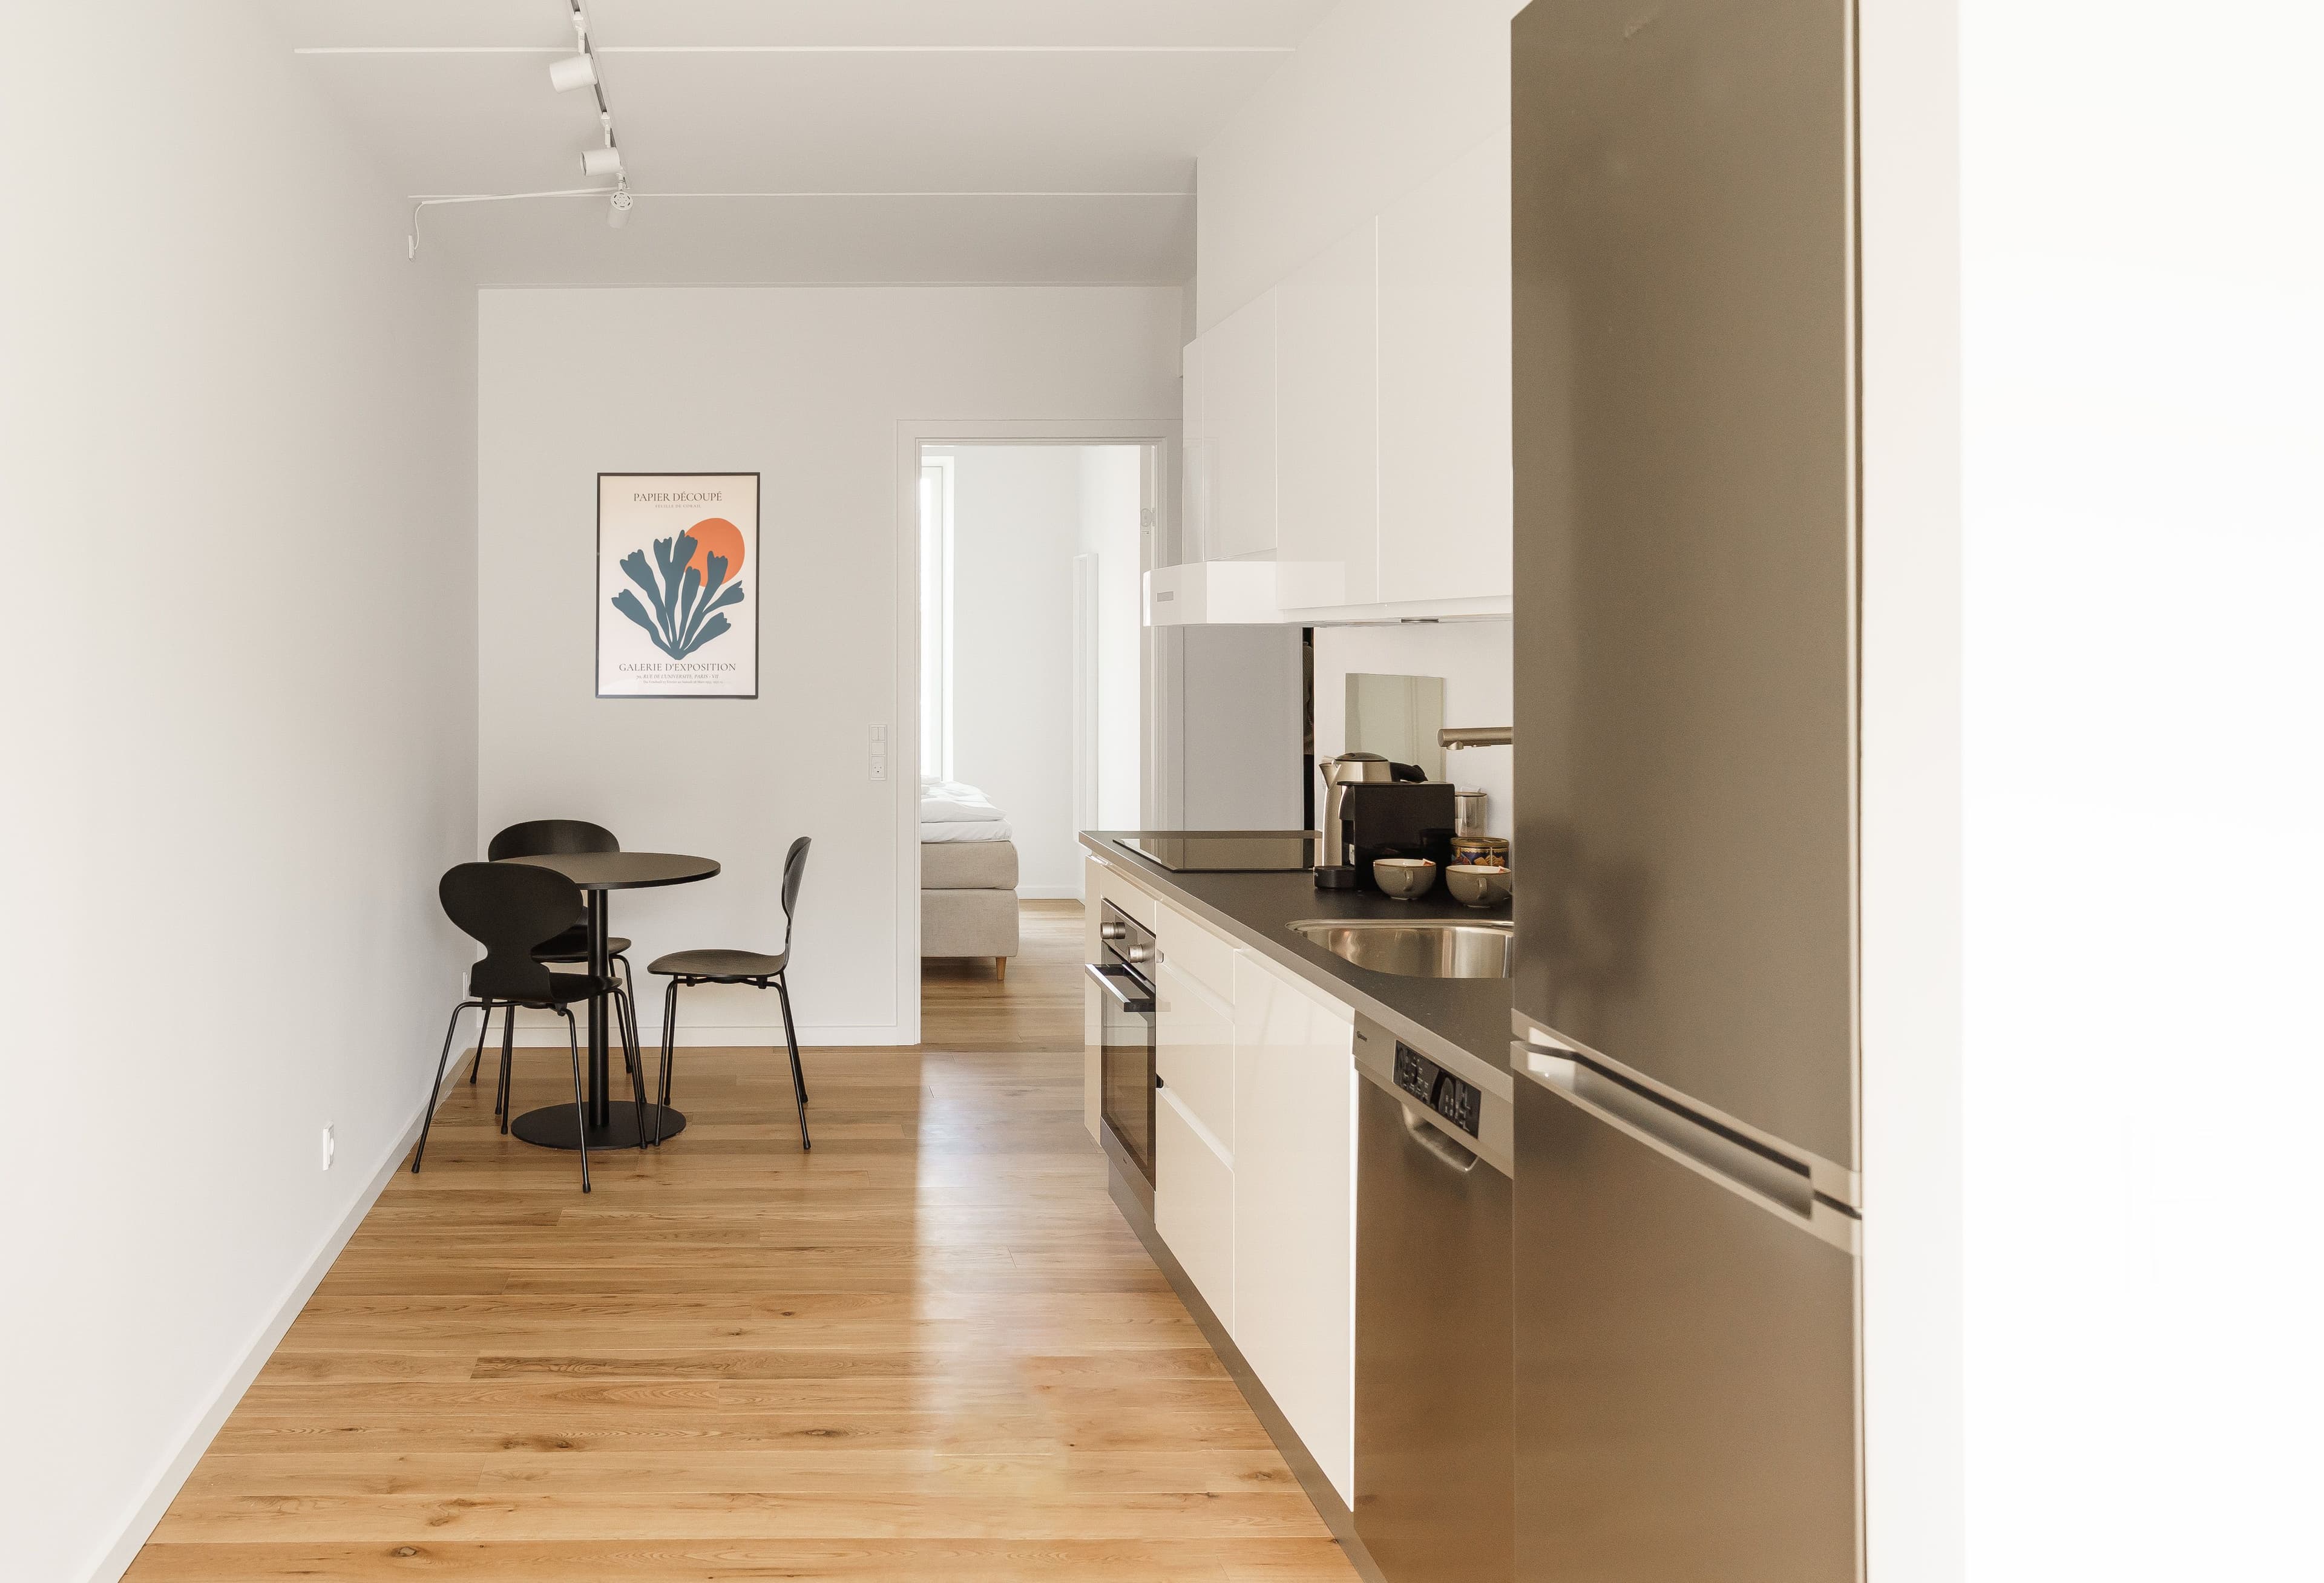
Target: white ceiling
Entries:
(841, 140)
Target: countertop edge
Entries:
(1104, 845)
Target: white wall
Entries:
(236, 428)
(1110, 490)
(1474, 658)
(1017, 519)
(1380, 95)
(819, 389)
(2143, 321)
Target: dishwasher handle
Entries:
(1418, 1128)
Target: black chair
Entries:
(738, 967)
(510, 909)
(536, 838)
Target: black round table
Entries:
(612, 1123)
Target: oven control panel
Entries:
(1458, 1102)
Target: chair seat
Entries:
(723, 967)
(564, 989)
(573, 945)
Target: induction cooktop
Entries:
(1227, 852)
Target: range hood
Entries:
(1229, 593)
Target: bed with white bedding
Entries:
(968, 875)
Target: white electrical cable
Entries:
(411, 242)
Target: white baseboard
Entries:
(172, 1478)
(550, 1034)
(1048, 893)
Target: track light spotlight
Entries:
(573, 71)
(618, 216)
(604, 162)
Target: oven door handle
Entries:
(1121, 997)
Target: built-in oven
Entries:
(1123, 973)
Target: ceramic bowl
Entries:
(1476, 885)
(1405, 879)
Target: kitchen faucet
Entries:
(1475, 736)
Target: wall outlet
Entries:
(331, 1143)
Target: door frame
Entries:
(911, 435)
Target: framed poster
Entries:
(678, 585)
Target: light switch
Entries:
(879, 752)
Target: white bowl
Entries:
(1405, 879)
(1478, 884)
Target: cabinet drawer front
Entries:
(1194, 1205)
(1193, 1053)
(1195, 950)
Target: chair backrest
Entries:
(794, 871)
(509, 908)
(541, 838)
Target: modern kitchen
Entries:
(1434, 791)
(1506, 1140)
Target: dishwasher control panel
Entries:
(1457, 1102)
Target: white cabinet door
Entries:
(1445, 329)
(1327, 433)
(1193, 1053)
(1295, 1243)
(1193, 1204)
(1194, 459)
(1239, 429)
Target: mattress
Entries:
(975, 830)
(968, 865)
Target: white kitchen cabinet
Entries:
(1327, 427)
(1295, 1192)
(1194, 1203)
(1445, 336)
(1239, 431)
(1194, 459)
(1195, 1053)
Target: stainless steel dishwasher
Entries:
(1435, 1480)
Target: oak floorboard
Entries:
(929, 1348)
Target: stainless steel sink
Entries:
(1422, 949)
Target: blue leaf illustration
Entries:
(634, 564)
(710, 629)
(627, 603)
(696, 635)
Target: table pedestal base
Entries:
(557, 1127)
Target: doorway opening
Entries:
(1032, 684)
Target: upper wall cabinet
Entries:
(1238, 415)
(1444, 333)
(1327, 427)
(1353, 423)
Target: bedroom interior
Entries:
(1031, 697)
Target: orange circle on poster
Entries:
(717, 536)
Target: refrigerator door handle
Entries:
(1782, 1190)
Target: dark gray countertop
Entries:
(1469, 1015)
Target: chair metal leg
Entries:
(637, 1042)
(428, 1116)
(634, 1057)
(798, 1077)
(508, 1063)
(669, 1050)
(484, 1036)
(580, 1106)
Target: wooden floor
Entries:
(931, 1348)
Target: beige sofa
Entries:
(968, 900)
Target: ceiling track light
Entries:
(573, 71)
(618, 216)
(604, 162)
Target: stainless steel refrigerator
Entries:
(1686, 1219)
